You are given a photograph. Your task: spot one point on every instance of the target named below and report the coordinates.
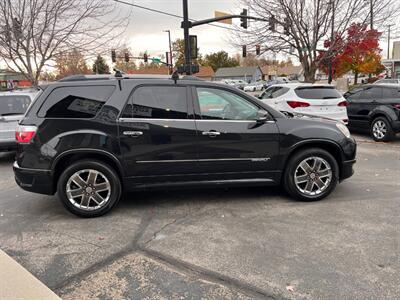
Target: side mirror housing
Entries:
(262, 116)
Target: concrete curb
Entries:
(16, 283)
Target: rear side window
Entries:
(319, 92)
(390, 93)
(75, 101)
(371, 93)
(157, 102)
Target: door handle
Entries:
(211, 133)
(133, 133)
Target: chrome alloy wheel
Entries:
(88, 189)
(379, 129)
(313, 176)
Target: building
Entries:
(248, 74)
(271, 72)
(205, 72)
(392, 67)
(396, 50)
(10, 79)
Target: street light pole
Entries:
(170, 50)
(388, 47)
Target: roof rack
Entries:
(124, 76)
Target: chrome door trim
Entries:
(258, 159)
(124, 120)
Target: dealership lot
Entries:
(219, 243)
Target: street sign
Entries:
(218, 14)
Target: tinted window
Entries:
(216, 104)
(390, 93)
(14, 104)
(268, 92)
(157, 102)
(353, 94)
(371, 93)
(279, 92)
(75, 101)
(319, 92)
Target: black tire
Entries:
(292, 165)
(113, 195)
(389, 133)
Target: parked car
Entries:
(90, 138)
(375, 108)
(240, 84)
(13, 106)
(388, 81)
(255, 86)
(313, 99)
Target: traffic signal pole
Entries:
(187, 24)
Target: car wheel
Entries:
(89, 188)
(311, 174)
(381, 131)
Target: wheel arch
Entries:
(70, 156)
(331, 147)
(382, 111)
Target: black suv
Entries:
(375, 108)
(90, 138)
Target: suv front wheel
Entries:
(311, 174)
(89, 188)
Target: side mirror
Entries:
(262, 116)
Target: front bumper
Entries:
(34, 180)
(347, 169)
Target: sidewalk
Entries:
(16, 283)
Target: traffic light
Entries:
(193, 46)
(126, 57)
(258, 49)
(286, 26)
(113, 56)
(244, 51)
(271, 23)
(145, 57)
(243, 19)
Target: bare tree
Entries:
(35, 32)
(299, 27)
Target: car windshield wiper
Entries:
(11, 113)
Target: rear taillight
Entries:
(343, 103)
(295, 104)
(397, 106)
(25, 134)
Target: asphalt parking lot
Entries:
(241, 243)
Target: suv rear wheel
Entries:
(311, 174)
(89, 188)
(381, 130)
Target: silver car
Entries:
(13, 106)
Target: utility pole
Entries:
(170, 51)
(388, 49)
(371, 8)
(330, 66)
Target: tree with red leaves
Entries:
(359, 52)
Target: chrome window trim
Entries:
(123, 120)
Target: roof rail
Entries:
(124, 76)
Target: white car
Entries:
(320, 100)
(389, 81)
(255, 86)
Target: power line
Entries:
(168, 14)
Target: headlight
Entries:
(343, 129)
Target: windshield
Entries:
(13, 104)
(320, 92)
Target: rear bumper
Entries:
(34, 180)
(347, 169)
(8, 145)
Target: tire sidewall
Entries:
(292, 165)
(389, 131)
(96, 165)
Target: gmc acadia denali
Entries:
(89, 138)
